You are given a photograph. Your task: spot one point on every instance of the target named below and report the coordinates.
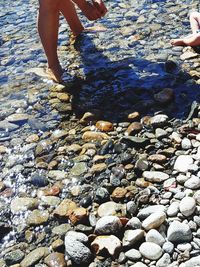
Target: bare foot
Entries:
(55, 74)
(177, 42)
(95, 29)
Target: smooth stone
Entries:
(133, 254)
(34, 256)
(187, 206)
(164, 261)
(104, 126)
(155, 176)
(55, 259)
(134, 141)
(50, 201)
(168, 247)
(145, 212)
(182, 163)
(159, 120)
(142, 164)
(160, 133)
(98, 168)
(77, 251)
(179, 232)
(7, 126)
(94, 136)
(18, 118)
(65, 208)
(57, 175)
(173, 209)
(183, 247)
(131, 237)
(193, 183)
(61, 229)
(22, 204)
(150, 250)
(155, 237)
(108, 225)
(109, 243)
(37, 217)
(186, 144)
(134, 128)
(78, 169)
(134, 223)
(111, 208)
(154, 220)
(157, 158)
(79, 215)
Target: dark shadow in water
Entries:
(112, 90)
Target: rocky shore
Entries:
(102, 171)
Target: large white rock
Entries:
(150, 250)
(108, 225)
(173, 209)
(183, 162)
(155, 176)
(133, 254)
(193, 182)
(154, 220)
(179, 232)
(187, 206)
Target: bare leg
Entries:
(195, 21)
(68, 10)
(48, 23)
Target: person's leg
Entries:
(48, 23)
(68, 10)
(193, 40)
(195, 21)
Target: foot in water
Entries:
(55, 73)
(177, 42)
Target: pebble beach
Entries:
(103, 170)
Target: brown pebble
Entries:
(133, 128)
(157, 158)
(104, 126)
(55, 259)
(134, 116)
(119, 193)
(65, 208)
(79, 215)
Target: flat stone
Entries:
(131, 237)
(37, 217)
(55, 259)
(78, 215)
(78, 169)
(145, 212)
(57, 175)
(150, 250)
(187, 206)
(109, 243)
(23, 204)
(18, 118)
(34, 256)
(133, 254)
(179, 232)
(154, 220)
(94, 136)
(111, 208)
(7, 126)
(65, 208)
(155, 176)
(108, 225)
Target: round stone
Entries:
(150, 250)
(187, 206)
